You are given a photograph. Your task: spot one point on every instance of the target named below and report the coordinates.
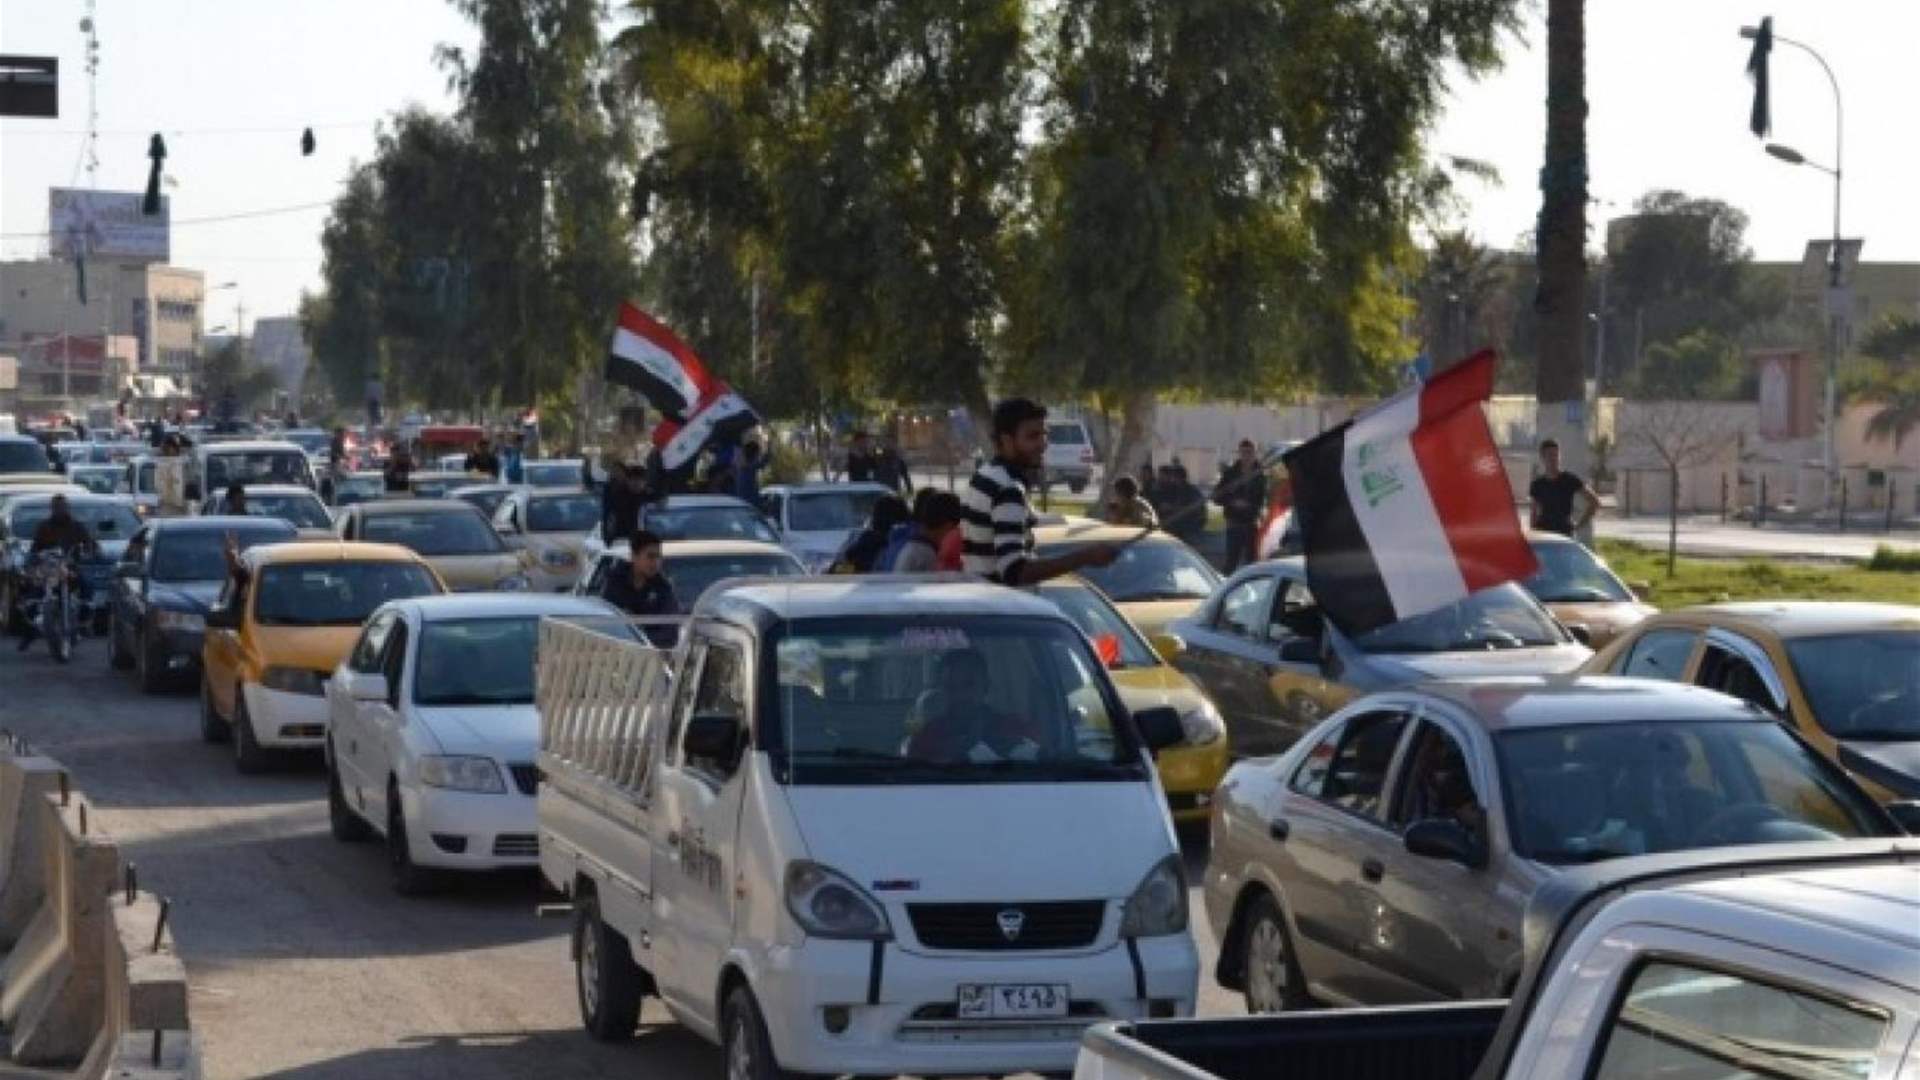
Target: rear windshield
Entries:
(692, 575)
(196, 554)
(1569, 574)
(563, 513)
(1066, 434)
(101, 480)
(287, 466)
(431, 534)
(23, 456)
(1149, 571)
(335, 593)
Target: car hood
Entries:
(1153, 616)
(510, 733)
(317, 648)
(987, 842)
(1892, 765)
(1387, 669)
(1151, 687)
(1604, 620)
(194, 596)
(475, 573)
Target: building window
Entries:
(179, 311)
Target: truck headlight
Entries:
(513, 583)
(1159, 905)
(1203, 724)
(186, 622)
(460, 772)
(293, 680)
(828, 905)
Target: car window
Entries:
(1437, 783)
(1862, 685)
(1244, 608)
(393, 661)
(1294, 612)
(1151, 570)
(1730, 673)
(477, 662)
(365, 657)
(1659, 654)
(693, 575)
(1065, 435)
(1680, 1021)
(434, 533)
(1569, 574)
(689, 676)
(1311, 777)
(1357, 775)
(831, 510)
(721, 690)
(562, 513)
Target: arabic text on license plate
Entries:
(1002, 1001)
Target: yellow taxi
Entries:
(1190, 772)
(1156, 579)
(1845, 675)
(280, 627)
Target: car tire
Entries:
(213, 729)
(117, 656)
(744, 1046)
(1268, 967)
(248, 755)
(153, 674)
(346, 826)
(607, 982)
(1077, 485)
(409, 878)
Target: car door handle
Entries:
(1373, 869)
(1279, 829)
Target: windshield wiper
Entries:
(1568, 858)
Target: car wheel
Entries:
(153, 668)
(213, 729)
(248, 756)
(409, 878)
(744, 1043)
(1272, 975)
(117, 656)
(608, 981)
(346, 826)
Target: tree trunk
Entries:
(1673, 515)
(1126, 453)
(1560, 381)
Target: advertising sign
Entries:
(106, 224)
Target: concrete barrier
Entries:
(25, 782)
(146, 1031)
(52, 997)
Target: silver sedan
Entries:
(1387, 858)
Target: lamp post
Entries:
(1836, 308)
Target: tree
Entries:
(1890, 379)
(1561, 300)
(1680, 435)
(1223, 194)
(343, 324)
(228, 376)
(1461, 292)
(1701, 366)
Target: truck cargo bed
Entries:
(1437, 1042)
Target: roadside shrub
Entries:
(1886, 558)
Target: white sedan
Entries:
(433, 731)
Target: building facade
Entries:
(161, 307)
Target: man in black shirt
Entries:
(642, 589)
(64, 533)
(1242, 494)
(483, 460)
(1553, 493)
(863, 463)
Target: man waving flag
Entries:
(1406, 508)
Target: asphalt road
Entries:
(302, 962)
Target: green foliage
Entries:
(228, 372)
(1888, 377)
(1904, 560)
(1894, 340)
(1707, 581)
(1701, 366)
(1465, 298)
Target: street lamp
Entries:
(1836, 311)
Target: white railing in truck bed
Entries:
(592, 686)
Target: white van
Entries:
(215, 465)
(1070, 454)
(867, 825)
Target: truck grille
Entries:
(516, 845)
(1052, 924)
(525, 777)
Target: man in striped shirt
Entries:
(996, 523)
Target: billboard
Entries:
(106, 224)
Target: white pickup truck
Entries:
(1786, 962)
(862, 825)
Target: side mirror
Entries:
(368, 687)
(1160, 727)
(1442, 838)
(1168, 646)
(223, 618)
(1581, 632)
(1300, 650)
(1906, 814)
(713, 737)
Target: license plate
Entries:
(1021, 1001)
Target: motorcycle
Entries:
(54, 608)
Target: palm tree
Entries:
(1561, 301)
(1459, 286)
(1892, 380)
(1898, 398)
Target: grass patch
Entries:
(1707, 581)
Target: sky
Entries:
(231, 84)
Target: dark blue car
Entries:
(171, 573)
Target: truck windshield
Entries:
(928, 700)
(1585, 793)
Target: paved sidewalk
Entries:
(1709, 535)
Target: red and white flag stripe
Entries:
(648, 357)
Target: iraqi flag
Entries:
(721, 419)
(1406, 509)
(646, 356)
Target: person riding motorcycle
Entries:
(64, 533)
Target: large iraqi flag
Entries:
(1406, 508)
(648, 357)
